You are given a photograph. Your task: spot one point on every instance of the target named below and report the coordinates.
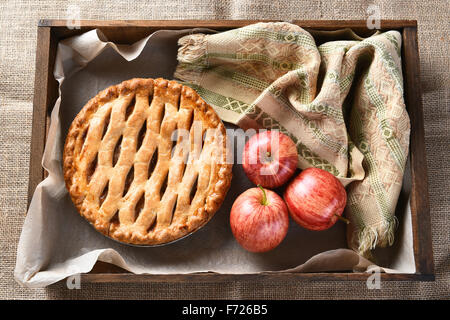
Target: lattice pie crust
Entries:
(135, 180)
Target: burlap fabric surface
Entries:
(18, 23)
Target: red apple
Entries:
(259, 220)
(316, 199)
(269, 159)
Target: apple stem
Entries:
(264, 201)
(342, 218)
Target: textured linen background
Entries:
(18, 26)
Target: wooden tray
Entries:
(127, 32)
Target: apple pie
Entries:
(135, 168)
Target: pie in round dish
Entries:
(135, 167)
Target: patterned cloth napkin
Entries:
(341, 102)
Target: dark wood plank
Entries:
(420, 208)
(45, 93)
(337, 24)
(129, 31)
(38, 133)
(101, 267)
(106, 272)
(226, 24)
(216, 277)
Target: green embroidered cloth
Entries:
(341, 102)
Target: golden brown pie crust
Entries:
(122, 173)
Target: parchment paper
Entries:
(56, 242)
